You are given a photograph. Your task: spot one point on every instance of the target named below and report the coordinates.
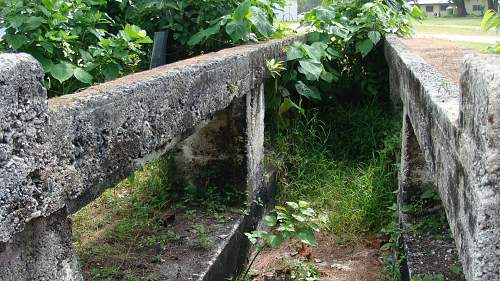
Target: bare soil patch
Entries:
(443, 55)
(352, 262)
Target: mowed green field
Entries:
(453, 25)
(465, 26)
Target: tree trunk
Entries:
(491, 5)
(461, 12)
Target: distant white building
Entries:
(289, 12)
(438, 8)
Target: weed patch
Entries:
(148, 219)
(342, 159)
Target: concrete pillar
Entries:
(227, 151)
(43, 251)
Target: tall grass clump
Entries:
(342, 159)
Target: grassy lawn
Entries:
(470, 21)
(453, 25)
(481, 47)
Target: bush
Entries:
(72, 41)
(334, 56)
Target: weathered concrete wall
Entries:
(62, 153)
(457, 131)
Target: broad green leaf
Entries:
(309, 92)
(333, 52)
(294, 51)
(133, 32)
(307, 237)
(273, 240)
(374, 36)
(311, 69)
(16, 21)
(488, 15)
(62, 71)
(270, 220)
(83, 76)
(251, 238)
(32, 23)
(364, 47)
(300, 218)
(144, 40)
(86, 56)
(16, 41)
(490, 20)
(308, 212)
(237, 30)
(315, 50)
(46, 63)
(288, 104)
(110, 71)
(327, 76)
(242, 10)
(260, 21)
(204, 34)
(293, 205)
(303, 204)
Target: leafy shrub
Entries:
(183, 18)
(344, 33)
(71, 39)
(295, 221)
(251, 21)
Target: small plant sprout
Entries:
(295, 221)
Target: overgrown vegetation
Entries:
(133, 223)
(334, 54)
(83, 42)
(76, 42)
(341, 159)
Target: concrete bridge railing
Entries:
(58, 155)
(451, 138)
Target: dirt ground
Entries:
(351, 262)
(444, 55)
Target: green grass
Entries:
(471, 21)
(343, 161)
(481, 47)
(453, 25)
(420, 28)
(130, 218)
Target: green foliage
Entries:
(201, 239)
(344, 34)
(341, 159)
(181, 17)
(251, 21)
(302, 271)
(491, 21)
(296, 220)
(72, 41)
(393, 260)
(428, 277)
